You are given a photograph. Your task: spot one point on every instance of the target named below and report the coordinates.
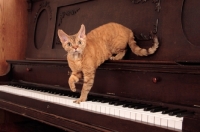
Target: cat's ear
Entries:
(81, 32)
(62, 36)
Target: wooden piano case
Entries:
(169, 77)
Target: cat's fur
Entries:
(86, 53)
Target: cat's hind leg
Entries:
(119, 55)
(74, 78)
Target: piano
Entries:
(157, 93)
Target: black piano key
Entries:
(99, 99)
(69, 95)
(135, 104)
(168, 111)
(65, 94)
(132, 105)
(177, 112)
(142, 106)
(112, 102)
(151, 107)
(121, 103)
(185, 114)
(105, 101)
(158, 109)
(126, 105)
(90, 98)
(93, 99)
(117, 103)
(129, 104)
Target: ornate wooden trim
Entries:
(43, 5)
(157, 2)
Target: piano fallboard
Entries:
(157, 82)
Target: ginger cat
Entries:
(87, 52)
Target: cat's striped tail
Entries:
(140, 51)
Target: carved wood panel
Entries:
(174, 22)
(190, 19)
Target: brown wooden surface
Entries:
(10, 122)
(13, 31)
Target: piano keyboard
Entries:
(156, 115)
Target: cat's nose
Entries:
(75, 47)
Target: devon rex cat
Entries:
(87, 52)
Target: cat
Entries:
(86, 52)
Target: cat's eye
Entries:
(79, 42)
(69, 44)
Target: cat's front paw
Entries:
(112, 58)
(73, 89)
(78, 101)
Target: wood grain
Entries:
(13, 31)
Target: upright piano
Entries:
(157, 93)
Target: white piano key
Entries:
(127, 114)
(117, 110)
(111, 110)
(164, 120)
(98, 107)
(46, 96)
(158, 116)
(139, 114)
(122, 112)
(93, 107)
(90, 105)
(155, 118)
(57, 98)
(175, 122)
(151, 119)
(179, 123)
(82, 105)
(105, 108)
(145, 116)
(61, 101)
(70, 102)
(133, 115)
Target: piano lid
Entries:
(174, 22)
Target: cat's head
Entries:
(73, 44)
